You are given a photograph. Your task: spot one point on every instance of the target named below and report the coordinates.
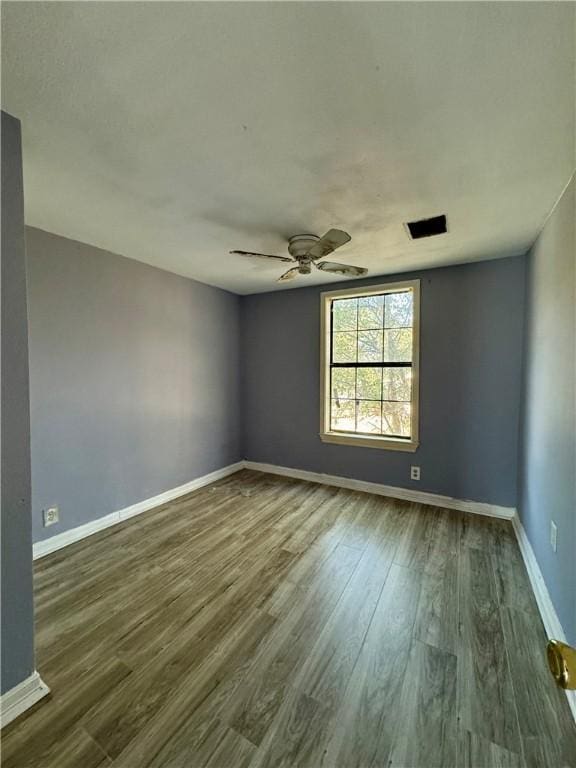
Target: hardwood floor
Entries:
(265, 621)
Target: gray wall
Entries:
(134, 380)
(548, 451)
(17, 602)
(471, 350)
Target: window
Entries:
(369, 374)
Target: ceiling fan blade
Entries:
(333, 239)
(342, 269)
(263, 255)
(290, 275)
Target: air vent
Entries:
(427, 227)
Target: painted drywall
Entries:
(471, 351)
(17, 599)
(189, 129)
(548, 435)
(134, 380)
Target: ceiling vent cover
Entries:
(427, 227)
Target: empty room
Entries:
(288, 402)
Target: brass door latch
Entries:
(562, 663)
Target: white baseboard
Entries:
(45, 547)
(408, 494)
(54, 543)
(550, 619)
(20, 698)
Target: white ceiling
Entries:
(175, 132)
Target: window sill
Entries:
(364, 441)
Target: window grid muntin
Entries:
(381, 364)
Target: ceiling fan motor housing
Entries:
(299, 245)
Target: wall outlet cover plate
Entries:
(50, 516)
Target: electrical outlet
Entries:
(553, 535)
(414, 473)
(51, 516)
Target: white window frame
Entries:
(367, 441)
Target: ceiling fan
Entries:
(305, 250)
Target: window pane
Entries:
(369, 417)
(344, 347)
(344, 314)
(369, 383)
(369, 346)
(399, 310)
(396, 419)
(398, 346)
(397, 384)
(371, 312)
(343, 383)
(343, 415)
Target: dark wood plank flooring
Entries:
(265, 621)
